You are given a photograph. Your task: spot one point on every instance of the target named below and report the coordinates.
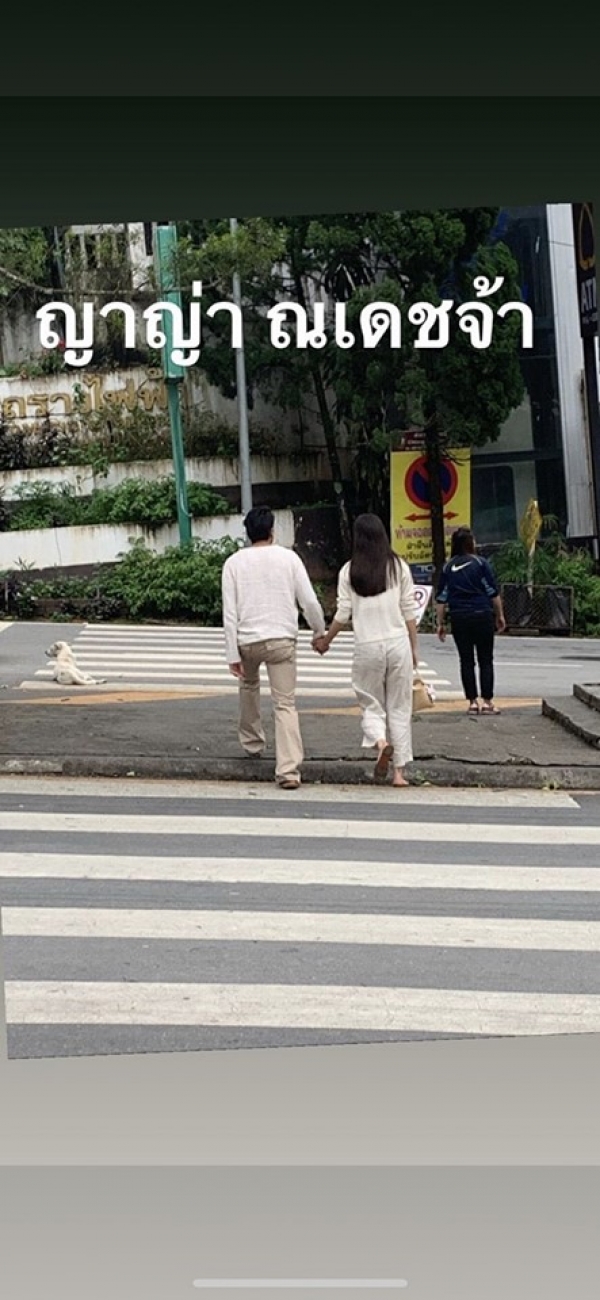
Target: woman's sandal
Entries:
(490, 708)
(473, 711)
(382, 765)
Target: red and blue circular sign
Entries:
(416, 483)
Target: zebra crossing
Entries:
(197, 917)
(139, 656)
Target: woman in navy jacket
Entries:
(468, 589)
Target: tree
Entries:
(25, 263)
(454, 396)
(275, 261)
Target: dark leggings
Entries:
(475, 632)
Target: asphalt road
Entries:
(192, 917)
(526, 667)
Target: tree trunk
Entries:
(327, 422)
(333, 454)
(434, 464)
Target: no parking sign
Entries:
(411, 501)
(422, 599)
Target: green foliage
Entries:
(464, 395)
(209, 247)
(368, 397)
(209, 436)
(556, 565)
(42, 505)
(37, 262)
(115, 437)
(24, 263)
(50, 363)
(180, 584)
(578, 571)
(151, 504)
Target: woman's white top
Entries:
(377, 618)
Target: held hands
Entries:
(321, 644)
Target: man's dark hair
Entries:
(259, 523)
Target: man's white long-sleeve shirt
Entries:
(262, 587)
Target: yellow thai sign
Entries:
(410, 507)
(62, 397)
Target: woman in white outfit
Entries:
(376, 593)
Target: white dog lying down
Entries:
(65, 670)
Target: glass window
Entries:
(494, 505)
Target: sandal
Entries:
(383, 763)
(490, 708)
(473, 710)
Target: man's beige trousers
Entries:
(279, 658)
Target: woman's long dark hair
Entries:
(374, 566)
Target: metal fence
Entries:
(546, 609)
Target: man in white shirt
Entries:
(262, 586)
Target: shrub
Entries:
(578, 571)
(116, 436)
(556, 565)
(42, 505)
(182, 583)
(149, 503)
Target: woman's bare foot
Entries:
(399, 777)
(385, 753)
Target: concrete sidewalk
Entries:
(192, 734)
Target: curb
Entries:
(499, 776)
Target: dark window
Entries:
(494, 509)
(91, 252)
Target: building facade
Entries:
(543, 450)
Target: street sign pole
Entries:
(165, 248)
(242, 396)
(593, 420)
(585, 261)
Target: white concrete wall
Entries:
(44, 548)
(578, 471)
(218, 473)
(17, 337)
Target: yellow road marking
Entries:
(441, 706)
(122, 697)
(150, 697)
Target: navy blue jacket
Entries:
(467, 585)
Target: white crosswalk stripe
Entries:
(181, 657)
(169, 920)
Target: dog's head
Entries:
(56, 649)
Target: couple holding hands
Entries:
(264, 584)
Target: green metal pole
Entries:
(166, 244)
(240, 368)
(183, 516)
